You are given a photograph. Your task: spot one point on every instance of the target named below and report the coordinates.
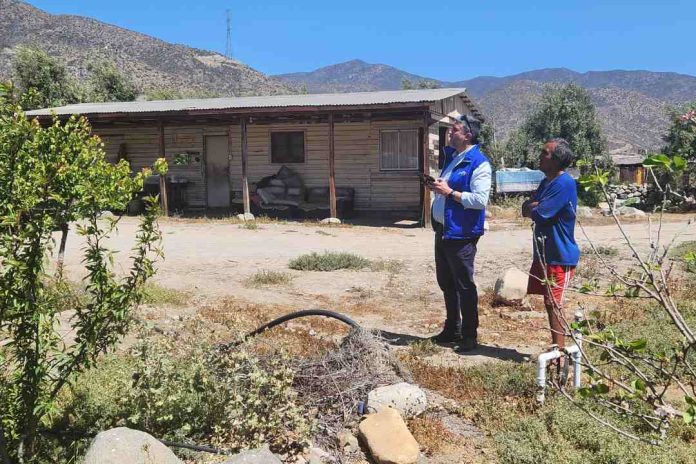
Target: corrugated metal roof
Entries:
(275, 101)
(628, 160)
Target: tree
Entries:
(681, 136)
(35, 69)
(51, 176)
(407, 84)
(107, 84)
(638, 386)
(566, 112)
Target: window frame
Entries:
(295, 131)
(417, 153)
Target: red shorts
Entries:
(556, 277)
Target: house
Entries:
(376, 143)
(630, 168)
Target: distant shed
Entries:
(631, 170)
(375, 143)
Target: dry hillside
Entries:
(151, 62)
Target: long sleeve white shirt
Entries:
(480, 188)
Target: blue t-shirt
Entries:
(554, 221)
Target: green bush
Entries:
(329, 261)
(198, 394)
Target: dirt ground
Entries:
(212, 259)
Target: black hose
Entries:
(291, 316)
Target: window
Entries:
(287, 147)
(399, 149)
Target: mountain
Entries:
(632, 105)
(351, 76)
(152, 63)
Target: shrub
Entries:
(232, 400)
(263, 278)
(329, 261)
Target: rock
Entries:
(512, 286)
(486, 226)
(256, 456)
(123, 445)
(388, 439)
(347, 442)
(629, 211)
(603, 206)
(331, 220)
(319, 456)
(584, 212)
(489, 214)
(246, 217)
(408, 399)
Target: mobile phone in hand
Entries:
(426, 179)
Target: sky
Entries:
(443, 40)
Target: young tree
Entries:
(107, 84)
(49, 177)
(35, 69)
(566, 112)
(641, 384)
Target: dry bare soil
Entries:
(212, 260)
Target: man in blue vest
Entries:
(458, 211)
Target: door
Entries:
(217, 171)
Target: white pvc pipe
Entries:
(573, 352)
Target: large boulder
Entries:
(123, 445)
(256, 456)
(512, 286)
(408, 399)
(388, 439)
(629, 211)
(584, 212)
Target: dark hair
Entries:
(562, 152)
(472, 126)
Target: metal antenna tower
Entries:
(228, 46)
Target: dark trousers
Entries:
(454, 265)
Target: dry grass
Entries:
(432, 435)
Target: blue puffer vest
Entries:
(463, 223)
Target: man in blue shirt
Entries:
(458, 210)
(552, 208)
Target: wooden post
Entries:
(332, 168)
(245, 156)
(162, 179)
(426, 168)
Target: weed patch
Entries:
(329, 261)
(156, 295)
(268, 278)
(424, 348)
(431, 435)
(392, 266)
(249, 226)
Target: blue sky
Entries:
(445, 40)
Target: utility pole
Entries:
(228, 46)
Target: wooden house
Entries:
(377, 143)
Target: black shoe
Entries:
(467, 344)
(447, 335)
